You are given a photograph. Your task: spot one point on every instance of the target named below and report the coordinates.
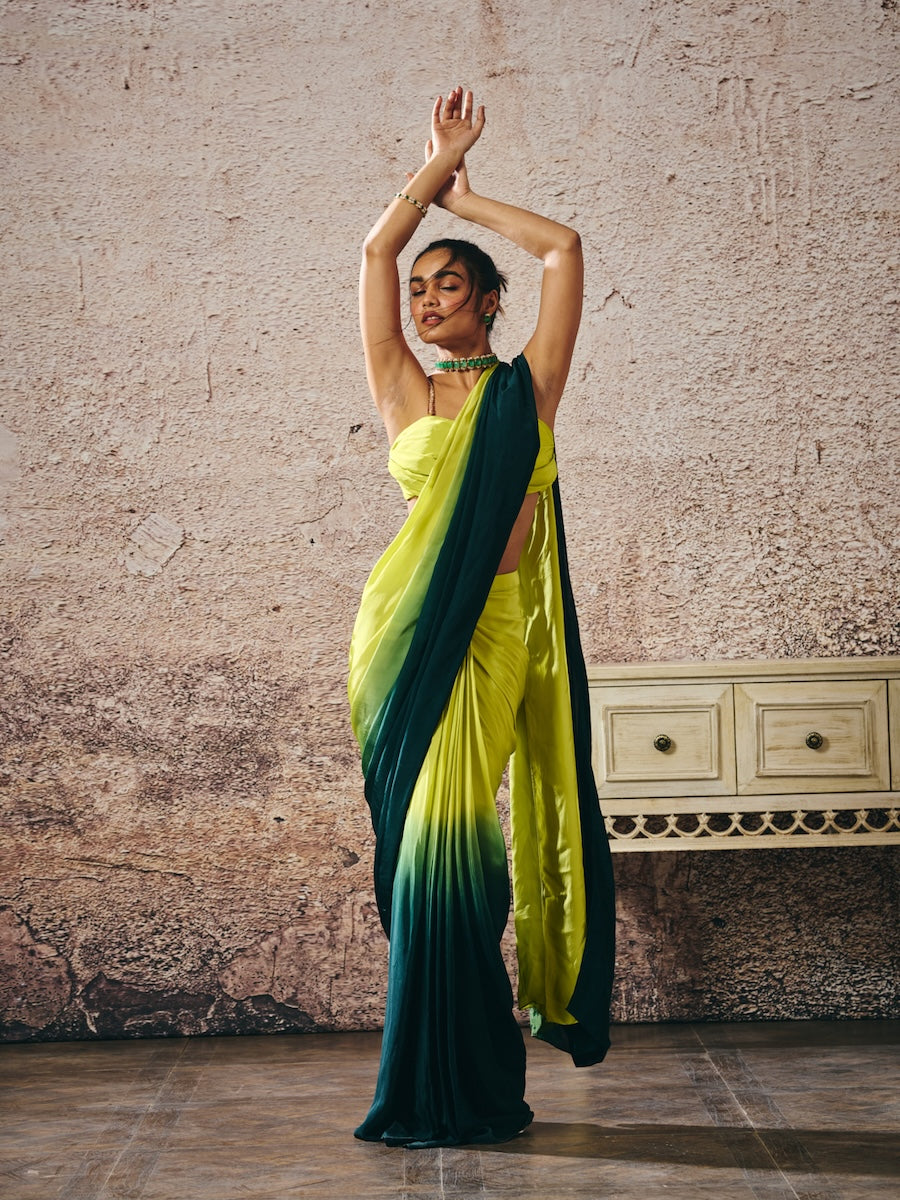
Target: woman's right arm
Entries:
(392, 369)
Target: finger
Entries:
(429, 149)
(467, 106)
(479, 120)
(409, 177)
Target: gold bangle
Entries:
(423, 208)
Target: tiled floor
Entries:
(805, 1111)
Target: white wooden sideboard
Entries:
(735, 755)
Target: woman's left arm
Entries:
(549, 349)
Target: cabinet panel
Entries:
(664, 741)
(731, 722)
(812, 737)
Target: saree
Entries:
(452, 670)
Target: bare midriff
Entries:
(517, 538)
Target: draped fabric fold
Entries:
(562, 868)
(452, 668)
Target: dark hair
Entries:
(480, 266)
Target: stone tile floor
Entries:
(797, 1111)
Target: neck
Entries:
(476, 348)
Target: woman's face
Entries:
(444, 301)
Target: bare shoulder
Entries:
(403, 399)
(550, 348)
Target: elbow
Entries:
(377, 246)
(566, 248)
(571, 241)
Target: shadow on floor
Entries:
(797, 1150)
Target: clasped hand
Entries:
(454, 130)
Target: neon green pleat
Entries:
(453, 1060)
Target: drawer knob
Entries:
(662, 742)
(815, 741)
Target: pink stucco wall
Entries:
(193, 484)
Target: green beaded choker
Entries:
(466, 364)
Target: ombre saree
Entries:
(452, 670)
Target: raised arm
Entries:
(392, 369)
(549, 349)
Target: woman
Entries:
(466, 651)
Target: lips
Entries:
(432, 319)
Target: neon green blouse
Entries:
(416, 448)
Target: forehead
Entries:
(433, 262)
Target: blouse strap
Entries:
(431, 411)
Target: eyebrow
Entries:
(437, 275)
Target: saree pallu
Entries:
(451, 668)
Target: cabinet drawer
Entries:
(812, 737)
(671, 740)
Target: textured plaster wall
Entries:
(193, 485)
